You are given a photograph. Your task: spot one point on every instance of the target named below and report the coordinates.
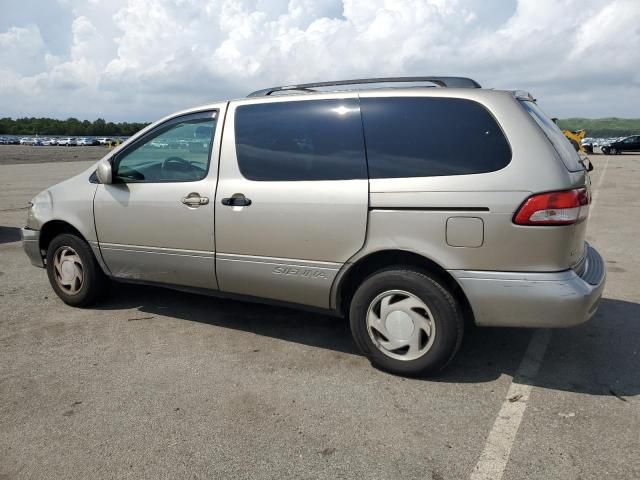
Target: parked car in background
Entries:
(410, 211)
(85, 142)
(33, 141)
(158, 144)
(67, 142)
(104, 140)
(627, 144)
(588, 144)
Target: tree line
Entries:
(70, 126)
(595, 127)
(603, 127)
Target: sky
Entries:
(138, 60)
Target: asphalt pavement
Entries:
(161, 384)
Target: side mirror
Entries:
(104, 172)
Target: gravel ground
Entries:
(17, 154)
(161, 384)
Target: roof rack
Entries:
(459, 82)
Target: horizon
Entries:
(607, 127)
(147, 122)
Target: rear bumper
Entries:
(31, 246)
(516, 299)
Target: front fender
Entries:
(70, 201)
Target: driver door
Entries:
(155, 223)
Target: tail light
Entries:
(554, 208)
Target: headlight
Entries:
(30, 221)
(36, 207)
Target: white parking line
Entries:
(497, 448)
(596, 193)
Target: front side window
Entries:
(300, 140)
(177, 151)
(427, 137)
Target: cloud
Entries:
(140, 59)
(22, 48)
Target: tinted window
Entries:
(303, 140)
(563, 146)
(175, 152)
(425, 137)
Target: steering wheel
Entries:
(175, 164)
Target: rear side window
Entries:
(301, 140)
(426, 137)
(561, 143)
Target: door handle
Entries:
(194, 200)
(238, 200)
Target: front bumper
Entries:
(31, 246)
(516, 299)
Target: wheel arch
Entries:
(53, 228)
(349, 281)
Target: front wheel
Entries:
(406, 321)
(74, 273)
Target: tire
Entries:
(74, 273)
(429, 322)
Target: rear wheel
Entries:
(74, 273)
(406, 322)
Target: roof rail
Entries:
(460, 82)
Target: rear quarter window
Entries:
(426, 137)
(563, 147)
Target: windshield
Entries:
(565, 150)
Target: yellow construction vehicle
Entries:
(575, 137)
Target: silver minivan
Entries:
(412, 211)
